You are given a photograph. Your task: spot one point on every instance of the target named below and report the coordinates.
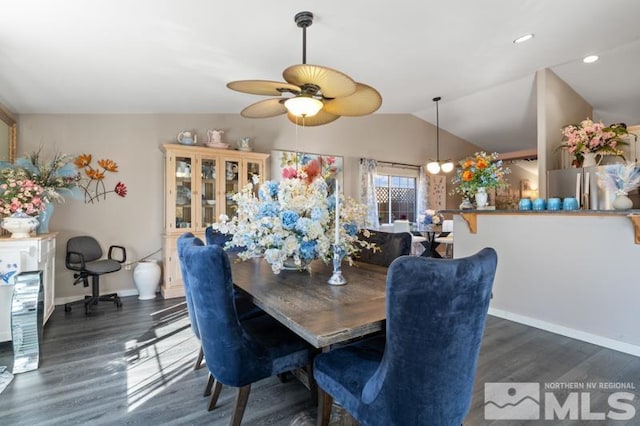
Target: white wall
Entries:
(133, 142)
(571, 274)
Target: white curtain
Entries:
(368, 190)
(423, 191)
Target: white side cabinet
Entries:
(37, 253)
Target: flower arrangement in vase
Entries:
(431, 217)
(620, 179)
(589, 139)
(21, 201)
(477, 173)
(57, 174)
(294, 220)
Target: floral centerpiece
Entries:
(588, 137)
(481, 170)
(293, 220)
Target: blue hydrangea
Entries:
(316, 213)
(350, 228)
(262, 195)
(272, 188)
(428, 219)
(289, 219)
(267, 209)
(308, 250)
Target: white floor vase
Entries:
(146, 276)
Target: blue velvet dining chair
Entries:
(187, 239)
(389, 245)
(238, 353)
(422, 371)
(213, 236)
(244, 305)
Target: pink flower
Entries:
(289, 173)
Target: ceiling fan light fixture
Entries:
(319, 94)
(303, 106)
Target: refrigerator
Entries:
(582, 183)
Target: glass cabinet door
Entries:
(183, 189)
(208, 191)
(253, 171)
(231, 185)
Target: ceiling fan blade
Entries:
(263, 87)
(332, 83)
(264, 109)
(364, 101)
(320, 118)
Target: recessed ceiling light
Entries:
(523, 38)
(590, 59)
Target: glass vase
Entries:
(43, 219)
(290, 265)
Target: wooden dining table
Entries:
(304, 302)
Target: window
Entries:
(396, 195)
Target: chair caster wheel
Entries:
(67, 308)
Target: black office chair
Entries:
(84, 255)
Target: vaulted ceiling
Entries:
(162, 56)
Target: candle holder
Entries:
(337, 278)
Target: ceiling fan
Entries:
(320, 94)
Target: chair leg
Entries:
(240, 405)
(217, 388)
(324, 407)
(313, 385)
(207, 390)
(198, 363)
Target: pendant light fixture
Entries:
(434, 167)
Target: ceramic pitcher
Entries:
(187, 138)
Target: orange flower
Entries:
(467, 164)
(467, 175)
(482, 164)
(108, 165)
(94, 174)
(82, 161)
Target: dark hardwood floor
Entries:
(135, 367)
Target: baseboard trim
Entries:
(69, 299)
(605, 342)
